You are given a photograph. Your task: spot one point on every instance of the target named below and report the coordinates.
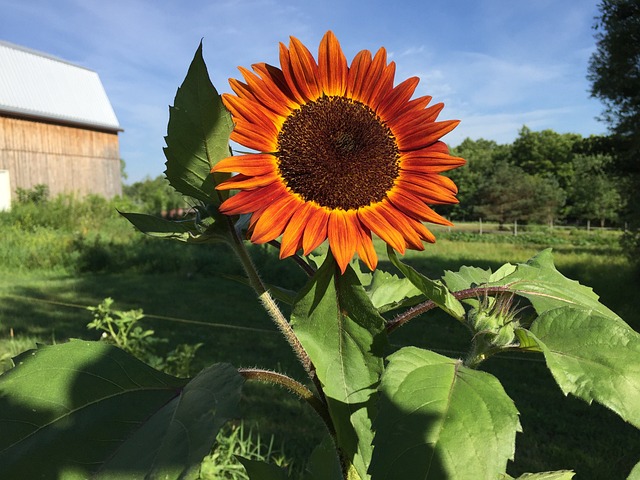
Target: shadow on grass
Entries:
(558, 432)
(219, 304)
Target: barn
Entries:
(57, 127)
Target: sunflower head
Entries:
(342, 153)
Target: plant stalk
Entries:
(269, 303)
(295, 387)
(423, 307)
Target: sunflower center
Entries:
(336, 152)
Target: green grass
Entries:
(190, 285)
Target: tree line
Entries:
(542, 177)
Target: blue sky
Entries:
(496, 64)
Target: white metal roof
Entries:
(37, 85)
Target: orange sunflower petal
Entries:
(292, 237)
(250, 164)
(248, 135)
(344, 154)
(358, 74)
(273, 220)
(428, 161)
(301, 71)
(397, 97)
(379, 76)
(428, 134)
(342, 235)
(364, 247)
(400, 222)
(266, 93)
(414, 120)
(378, 224)
(414, 105)
(427, 190)
(316, 231)
(332, 66)
(424, 232)
(249, 201)
(410, 204)
(252, 113)
(275, 81)
(244, 182)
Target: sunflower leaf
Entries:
(324, 463)
(345, 338)
(81, 409)
(160, 227)
(183, 231)
(466, 277)
(197, 136)
(388, 292)
(439, 419)
(592, 357)
(635, 472)
(258, 470)
(433, 289)
(545, 287)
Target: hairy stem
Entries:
(269, 303)
(295, 387)
(423, 307)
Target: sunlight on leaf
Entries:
(344, 337)
(197, 136)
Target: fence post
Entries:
(515, 227)
(481, 226)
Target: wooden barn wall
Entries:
(67, 159)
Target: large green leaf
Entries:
(197, 135)
(388, 292)
(592, 357)
(466, 277)
(433, 289)
(635, 473)
(184, 231)
(438, 419)
(545, 287)
(324, 463)
(160, 227)
(258, 470)
(344, 337)
(71, 410)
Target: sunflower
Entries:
(342, 153)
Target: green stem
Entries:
(269, 303)
(295, 387)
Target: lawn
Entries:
(196, 301)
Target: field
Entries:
(48, 278)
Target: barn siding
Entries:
(67, 159)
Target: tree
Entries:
(594, 194)
(505, 195)
(614, 72)
(614, 68)
(547, 200)
(481, 156)
(154, 195)
(545, 153)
